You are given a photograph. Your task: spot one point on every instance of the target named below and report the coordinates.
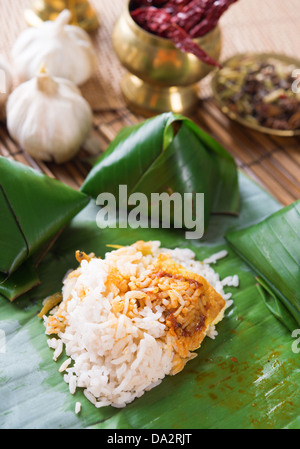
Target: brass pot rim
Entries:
(157, 40)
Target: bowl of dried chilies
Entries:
(167, 47)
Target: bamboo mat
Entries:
(249, 25)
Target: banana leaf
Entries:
(20, 281)
(34, 208)
(168, 153)
(248, 377)
(272, 249)
(275, 305)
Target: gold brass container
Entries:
(160, 77)
(239, 60)
(83, 14)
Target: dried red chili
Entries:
(152, 19)
(139, 3)
(175, 6)
(212, 18)
(190, 14)
(185, 43)
(181, 21)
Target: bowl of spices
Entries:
(260, 91)
(167, 47)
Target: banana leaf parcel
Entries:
(166, 154)
(272, 249)
(34, 209)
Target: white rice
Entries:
(65, 365)
(77, 407)
(115, 359)
(215, 257)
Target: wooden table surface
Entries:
(249, 25)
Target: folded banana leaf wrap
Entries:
(272, 249)
(34, 208)
(168, 153)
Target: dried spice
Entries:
(260, 92)
(181, 21)
(183, 42)
(212, 14)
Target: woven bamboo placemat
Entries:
(249, 26)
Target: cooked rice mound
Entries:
(130, 319)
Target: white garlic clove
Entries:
(49, 118)
(67, 51)
(6, 83)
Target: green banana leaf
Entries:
(275, 305)
(248, 377)
(167, 153)
(272, 249)
(34, 208)
(20, 281)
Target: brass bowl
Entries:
(160, 77)
(238, 60)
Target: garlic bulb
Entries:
(6, 82)
(49, 118)
(66, 50)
